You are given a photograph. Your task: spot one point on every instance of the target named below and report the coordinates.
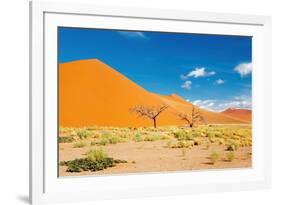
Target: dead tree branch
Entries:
(149, 112)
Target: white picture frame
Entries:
(46, 187)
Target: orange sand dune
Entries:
(241, 114)
(92, 93)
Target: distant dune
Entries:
(241, 114)
(93, 93)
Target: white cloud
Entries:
(244, 69)
(197, 102)
(219, 81)
(197, 72)
(243, 102)
(211, 73)
(183, 77)
(210, 104)
(133, 34)
(205, 104)
(186, 85)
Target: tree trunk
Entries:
(154, 122)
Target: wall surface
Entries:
(14, 100)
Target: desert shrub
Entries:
(137, 138)
(233, 145)
(72, 133)
(196, 133)
(235, 137)
(218, 134)
(96, 159)
(107, 139)
(182, 144)
(246, 142)
(96, 154)
(230, 156)
(229, 134)
(83, 133)
(148, 138)
(117, 161)
(114, 140)
(211, 135)
(180, 134)
(165, 137)
(204, 134)
(212, 139)
(123, 136)
(95, 134)
(93, 143)
(151, 138)
(217, 140)
(214, 156)
(86, 164)
(221, 141)
(244, 133)
(101, 142)
(106, 134)
(189, 144)
(79, 144)
(183, 135)
(197, 141)
(66, 139)
(169, 143)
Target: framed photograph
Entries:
(129, 102)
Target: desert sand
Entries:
(156, 157)
(93, 93)
(241, 114)
(161, 149)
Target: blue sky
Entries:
(212, 71)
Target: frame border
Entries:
(37, 85)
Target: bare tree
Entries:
(149, 112)
(185, 117)
(194, 119)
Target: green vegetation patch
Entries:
(66, 139)
(83, 133)
(183, 144)
(79, 144)
(85, 164)
(152, 138)
(230, 156)
(214, 156)
(233, 145)
(183, 135)
(107, 138)
(96, 154)
(95, 160)
(137, 138)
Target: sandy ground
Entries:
(156, 157)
